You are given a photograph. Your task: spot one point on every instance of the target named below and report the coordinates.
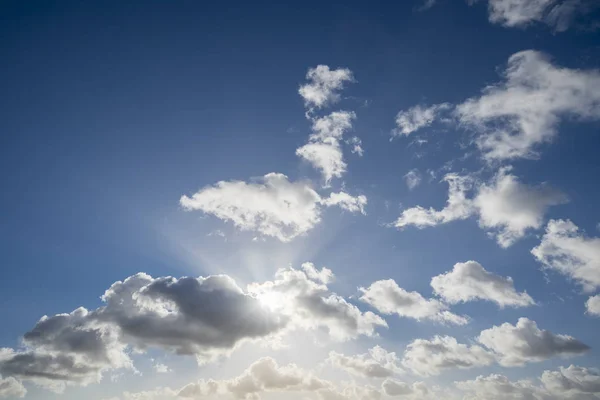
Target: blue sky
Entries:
(139, 138)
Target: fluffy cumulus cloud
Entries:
(394, 388)
(11, 388)
(506, 207)
(66, 349)
(457, 207)
(470, 281)
(568, 251)
(264, 375)
(346, 202)
(573, 382)
(592, 305)
(509, 345)
(498, 387)
(514, 117)
(558, 14)
(412, 179)
(377, 363)
(431, 357)
(525, 342)
(510, 208)
(323, 150)
(417, 117)
(303, 298)
(323, 85)
(272, 205)
(388, 298)
(205, 317)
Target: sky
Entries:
(337, 200)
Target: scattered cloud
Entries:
(512, 118)
(161, 368)
(525, 342)
(510, 208)
(416, 118)
(567, 250)
(388, 298)
(377, 363)
(426, 5)
(573, 382)
(356, 144)
(347, 202)
(431, 357)
(271, 205)
(469, 281)
(323, 86)
(504, 206)
(592, 305)
(560, 15)
(323, 149)
(412, 179)
(394, 388)
(457, 207)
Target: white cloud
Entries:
(323, 150)
(514, 117)
(412, 179)
(10, 387)
(498, 387)
(558, 14)
(326, 157)
(511, 207)
(262, 376)
(575, 383)
(394, 388)
(161, 368)
(332, 126)
(470, 281)
(430, 357)
(324, 275)
(272, 205)
(417, 117)
(388, 298)
(592, 305)
(324, 84)
(572, 382)
(505, 206)
(377, 363)
(565, 249)
(525, 342)
(457, 207)
(303, 298)
(346, 202)
(356, 144)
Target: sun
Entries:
(271, 300)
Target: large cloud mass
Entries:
(205, 317)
